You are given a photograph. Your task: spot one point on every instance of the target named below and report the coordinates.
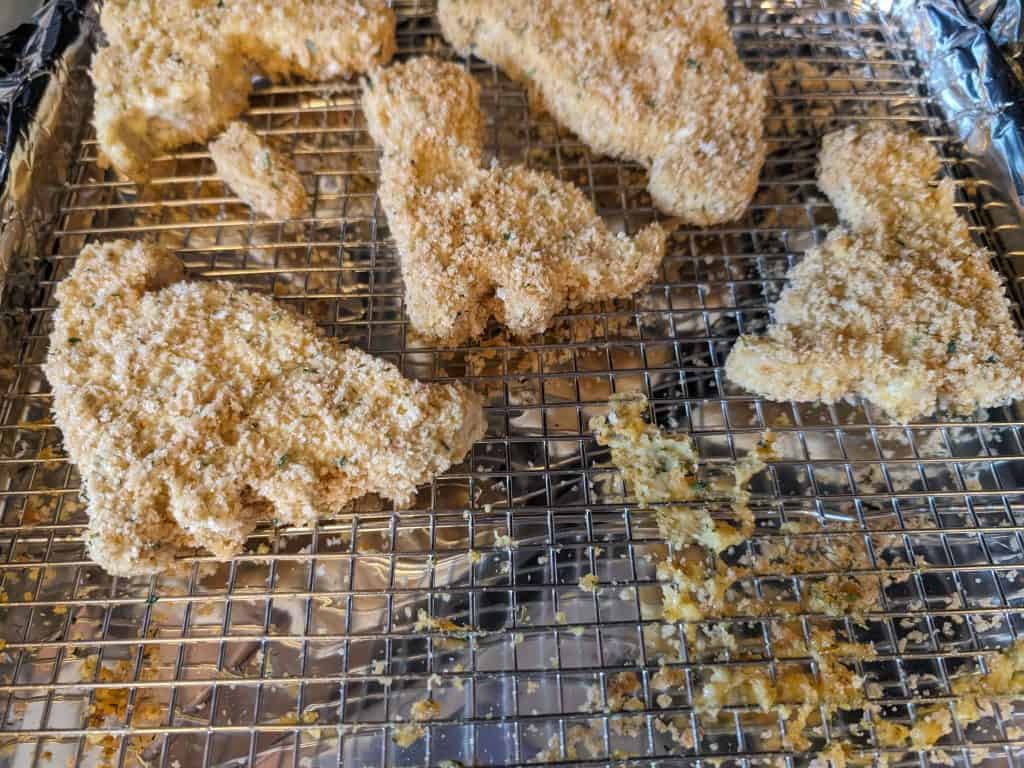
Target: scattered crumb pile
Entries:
(898, 305)
(191, 408)
(699, 584)
(662, 470)
(263, 178)
(509, 243)
(654, 81)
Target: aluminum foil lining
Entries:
(966, 50)
(27, 55)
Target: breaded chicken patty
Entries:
(898, 305)
(195, 409)
(654, 81)
(261, 177)
(508, 243)
(177, 71)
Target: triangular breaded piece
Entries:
(190, 406)
(898, 305)
(653, 81)
(177, 71)
(509, 243)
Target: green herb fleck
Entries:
(506, 236)
(307, 369)
(693, 64)
(282, 461)
(340, 462)
(990, 359)
(311, 47)
(951, 348)
(74, 340)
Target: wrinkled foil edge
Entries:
(40, 162)
(971, 80)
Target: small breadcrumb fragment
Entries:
(261, 177)
(667, 678)
(408, 734)
(177, 71)
(425, 709)
(590, 583)
(427, 623)
(898, 305)
(195, 409)
(509, 243)
(654, 81)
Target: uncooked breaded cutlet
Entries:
(654, 81)
(260, 176)
(898, 305)
(177, 71)
(508, 243)
(191, 408)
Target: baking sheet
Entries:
(305, 650)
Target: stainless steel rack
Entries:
(305, 650)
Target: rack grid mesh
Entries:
(305, 649)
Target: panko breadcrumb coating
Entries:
(898, 305)
(259, 175)
(654, 81)
(190, 408)
(177, 71)
(508, 243)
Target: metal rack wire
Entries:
(305, 650)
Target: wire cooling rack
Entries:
(305, 650)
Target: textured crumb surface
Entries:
(260, 176)
(177, 71)
(194, 409)
(508, 243)
(698, 586)
(898, 305)
(654, 81)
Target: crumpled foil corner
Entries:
(967, 50)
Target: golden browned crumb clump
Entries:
(191, 408)
(177, 71)
(655, 81)
(260, 176)
(696, 586)
(508, 243)
(898, 305)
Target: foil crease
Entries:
(966, 50)
(27, 55)
(43, 106)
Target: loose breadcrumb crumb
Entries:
(260, 176)
(427, 623)
(425, 709)
(408, 734)
(654, 81)
(898, 305)
(193, 410)
(590, 583)
(509, 243)
(177, 71)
